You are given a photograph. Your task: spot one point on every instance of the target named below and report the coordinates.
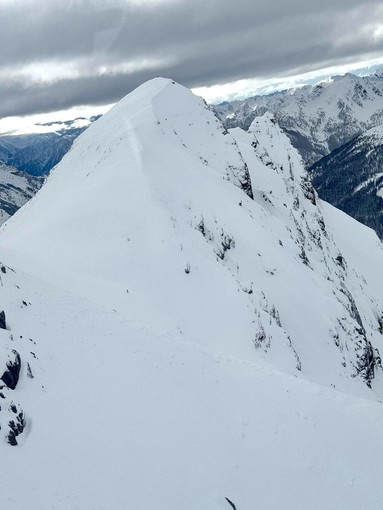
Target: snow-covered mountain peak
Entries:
(157, 205)
(266, 122)
(130, 186)
(379, 72)
(167, 110)
(276, 144)
(172, 297)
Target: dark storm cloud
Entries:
(196, 42)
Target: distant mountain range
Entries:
(351, 178)
(16, 188)
(317, 118)
(36, 154)
(339, 120)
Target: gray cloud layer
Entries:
(196, 42)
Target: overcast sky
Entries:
(60, 54)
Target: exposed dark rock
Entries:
(227, 242)
(380, 323)
(322, 226)
(340, 261)
(353, 309)
(3, 322)
(11, 376)
(246, 183)
(201, 227)
(231, 504)
(297, 359)
(11, 437)
(16, 428)
(304, 257)
(367, 364)
(29, 372)
(308, 190)
(260, 338)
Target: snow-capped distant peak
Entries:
(317, 118)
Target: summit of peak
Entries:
(155, 100)
(148, 91)
(264, 123)
(156, 146)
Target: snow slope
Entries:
(196, 327)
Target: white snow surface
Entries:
(189, 343)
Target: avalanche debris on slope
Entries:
(188, 293)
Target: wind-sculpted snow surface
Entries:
(206, 337)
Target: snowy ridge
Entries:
(177, 200)
(293, 200)
(201, 319)
(317, 118)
